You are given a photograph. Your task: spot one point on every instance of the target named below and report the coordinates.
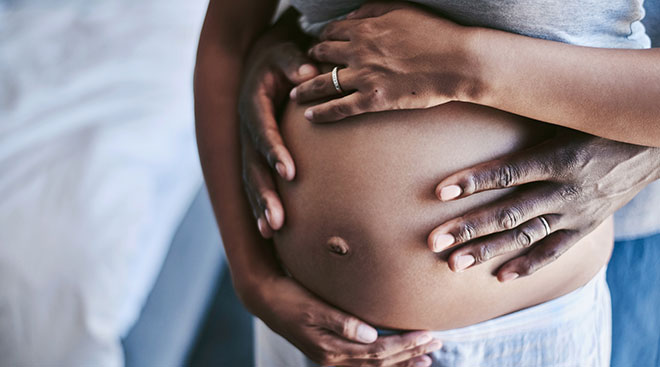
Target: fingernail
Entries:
(423, 339)
(309, 114)
(442, 241)
(463, 261)
(270, 222)
(262, 226)
(423, 361)
(509, 276)
(281, 169)
(450, 192)
(305, 69)
(293, 93)
(366, 334)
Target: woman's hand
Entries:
(275, 64)
(574, 181)
(396, 56)
(329, 336)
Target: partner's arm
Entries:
(324, 333)
(612, 93)
(574, 180)
(217, 75)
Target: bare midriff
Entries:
(362, 205)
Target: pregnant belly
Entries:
(362, 205)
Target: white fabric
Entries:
(573, 330)
(97, 167)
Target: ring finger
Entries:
(323, 87)
(521, 237)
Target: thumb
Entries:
(348, 327)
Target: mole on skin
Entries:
(337, 245)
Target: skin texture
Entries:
(606, 173)
(363, 201)
(574, 180)
(325, 334)
(468, 64)
(637, 175)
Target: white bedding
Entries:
(97, 166)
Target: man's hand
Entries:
(274, 66)
(393, 60)
(329, 336)
(574, 181)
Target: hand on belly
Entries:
(363, 203)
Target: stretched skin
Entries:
(363, 203)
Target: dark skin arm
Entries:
(324, 333)
(575, 181)
(581, 87)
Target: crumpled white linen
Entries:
(97, 167)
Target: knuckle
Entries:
(317, 85)
(507, 175)
(484, 253)
(528, 267)
(523, 238)
(319, 50)
(570, 193)
(549, 254)
(569, 158)
(307, 317)
(329, 29)
(466, 232)
(509, 218)
(472, 182)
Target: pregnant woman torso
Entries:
(363, 203)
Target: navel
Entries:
(337, 245)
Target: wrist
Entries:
(472, 74)
(481, 67)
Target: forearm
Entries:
(612, 93)
(216, 87)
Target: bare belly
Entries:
(370, 180)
